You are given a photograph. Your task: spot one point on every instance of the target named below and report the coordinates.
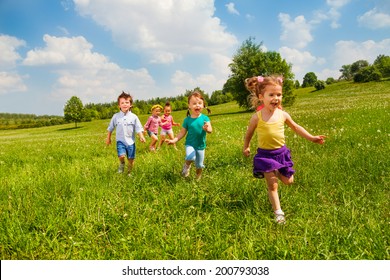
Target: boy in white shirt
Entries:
(127, 126)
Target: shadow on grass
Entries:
(69, 128)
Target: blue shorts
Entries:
(123, 149)
(195, 155)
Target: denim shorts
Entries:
(128, 150)
(195, 155)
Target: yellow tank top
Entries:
(270, 135)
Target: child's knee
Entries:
(288, 181)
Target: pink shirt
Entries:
(152, 124)
(168, 121)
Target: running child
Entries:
(273, 159)
(168, 122)
(195, 127)
(152, 125)
(127, 126)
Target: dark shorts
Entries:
(128, 150)
(271, 160)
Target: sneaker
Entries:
(280, 219)
(121, 168)
(186, 170)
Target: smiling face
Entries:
(167, 110)
(156, 112)
(124, 104)
(195, 104)
(272, 97)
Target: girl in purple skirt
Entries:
(273, 160)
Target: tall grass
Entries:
(60, 196)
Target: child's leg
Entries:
(162, 140)
(272, 184)
(153, 142)
(131, 157)
(121, 167)
(171, 136)
(131, 165)
(199, 163)
(284, 179)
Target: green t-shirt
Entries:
(196, 136)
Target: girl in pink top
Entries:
(168, 122)
(152, 125)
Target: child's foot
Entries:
(121, 168)
(186, 170)
(280, 219)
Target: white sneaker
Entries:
(280, 219)
(186, 170)
(121, 168)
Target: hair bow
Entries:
(280, 80)
(260, 79)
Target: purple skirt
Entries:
(270, 160)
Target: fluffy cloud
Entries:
(8, 49)
(347, 52)
(85, 73)
(333, 14)
(172, 28)
(301, 61)
(295, 33)
(231, 9)
(375, 19)
(10, 81)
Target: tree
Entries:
(309, 80)
(346, 73)
(74, 110)
(357, 65)
(319, 85)
(382, 63)
(367, 74)
(250, 60)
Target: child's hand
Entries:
(247, 152)
(320, 139)
(206, 126)
(108, 141)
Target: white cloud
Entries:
(10, 80)
(302, 61)
(231, 9)
(375, 19)
(295, 33)
(347, 52)
(9, 56)
(337, 3)
(87, 74)
(174, 27)
(333, 14)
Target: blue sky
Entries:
(52, 50)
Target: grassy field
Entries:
(60, 196)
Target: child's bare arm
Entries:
(319, 139)
(179, 136)
(249, 134)
(108, 139)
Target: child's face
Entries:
(167, 111)
(272, 97)
(124, 104)
(156, 112)
(195, 105)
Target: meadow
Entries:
(61, 198)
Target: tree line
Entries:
(361, 71)
(16, 121)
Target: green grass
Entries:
(60, 196)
